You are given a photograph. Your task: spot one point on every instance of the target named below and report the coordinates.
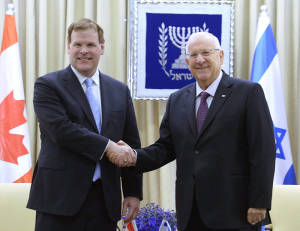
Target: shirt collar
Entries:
(82, 78)
(212, 88)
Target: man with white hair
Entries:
(220, 132)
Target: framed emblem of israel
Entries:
(157, 35)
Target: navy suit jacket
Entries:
(71, 145)
(229, 166)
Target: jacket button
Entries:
(196, 152)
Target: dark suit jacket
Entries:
(229, 165)
(71, 145)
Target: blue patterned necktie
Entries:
(95, 107)
(202, 110)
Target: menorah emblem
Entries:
(179, 37)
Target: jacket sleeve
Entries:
(161, 152)
(132, 181)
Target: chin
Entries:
(84, 68)
(203, 77)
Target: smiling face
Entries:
(84, 50)
(205, 58)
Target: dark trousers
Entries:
(196, 223)
(91, 217)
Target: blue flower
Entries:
(150, 217)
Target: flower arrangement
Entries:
(150, 217)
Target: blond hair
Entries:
(85, 24)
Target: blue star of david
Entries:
(279, 134)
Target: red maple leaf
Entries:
(11, 116)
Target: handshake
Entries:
(121, 154)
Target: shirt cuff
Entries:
(104, 150)
(135, 152)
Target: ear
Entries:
(221, 56)
(68, 48)
(187, 60)
(102, 48)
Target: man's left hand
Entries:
(131, 206)
(255, 215)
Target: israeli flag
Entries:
(266, 71)
(164, 226)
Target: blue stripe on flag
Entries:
(264, 54)
(290, 177)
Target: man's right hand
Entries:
(121, 154)
(255, 215)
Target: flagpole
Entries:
(264, 8)
(10, 9)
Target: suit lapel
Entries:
(189, 107)
(74, 87)
(222, 94)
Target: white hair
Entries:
(208, 35)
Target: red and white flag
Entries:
(131, 226)
(15, 158)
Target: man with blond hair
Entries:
(81, 112)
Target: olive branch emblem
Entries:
(163, 42)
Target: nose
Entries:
(83, 50)
(200, 58)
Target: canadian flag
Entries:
(15, 158)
